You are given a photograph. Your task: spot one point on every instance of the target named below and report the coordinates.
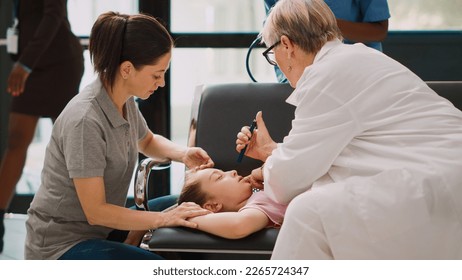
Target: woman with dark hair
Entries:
(93, 151)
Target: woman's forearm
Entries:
(363, 31)
(159, 147)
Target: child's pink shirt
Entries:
(271, 208)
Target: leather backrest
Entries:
(450, 90)
(219, 111)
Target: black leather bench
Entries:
(219, 111)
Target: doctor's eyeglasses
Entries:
(269, 54)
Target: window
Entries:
(216, 15)
(83, 13)
(217, 65)
(425, 15)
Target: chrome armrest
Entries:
(142, 186)
(142, 180)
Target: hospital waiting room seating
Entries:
(218, 113)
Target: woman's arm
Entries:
(232, 225)
(54, 14)
(91, 194)
(363, 31)
(159, 147)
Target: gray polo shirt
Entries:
(89, 139)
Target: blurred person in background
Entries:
(45, 76)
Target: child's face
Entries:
(226, 188)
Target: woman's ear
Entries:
(213, 206)
(287, 44)
(125, 69)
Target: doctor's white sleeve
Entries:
(308, 152)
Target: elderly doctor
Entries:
(372, 166)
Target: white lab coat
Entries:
(377, 158)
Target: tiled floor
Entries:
(15, 234)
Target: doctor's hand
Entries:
(256, 178)
(197, 158)
(17, 80)
(260, 145)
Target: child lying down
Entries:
(237, 211)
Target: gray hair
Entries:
(308, 23)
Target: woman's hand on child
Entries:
(197, 158)
(179, 215)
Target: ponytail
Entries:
(116, 38)
(106, 45)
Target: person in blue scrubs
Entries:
(364, 21)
